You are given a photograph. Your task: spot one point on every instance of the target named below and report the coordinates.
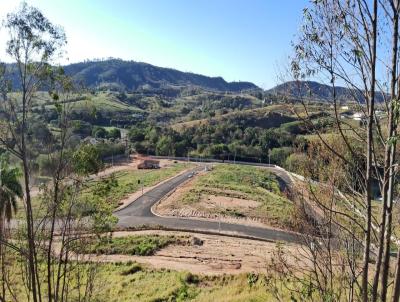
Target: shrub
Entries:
(191, 279)
(279, 155)
(107, 150)
(295, 127)
(132, 270)
(296, 162)
(99, 132)
(81, 128)
(114, 133)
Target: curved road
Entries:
(138, 213)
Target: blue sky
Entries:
(247, 40)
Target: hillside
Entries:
(317, 91)
(131, 75)
(119, 75)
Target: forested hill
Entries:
(131, 75)
(318, 91)
(308, 89)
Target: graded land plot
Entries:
(204, 254)
(238, 193)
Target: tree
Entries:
(33, 43)
(50, 268)
(165, 146)
(339, 43)
(82, 128)
(278, 155)
(10, 190)
(296, 162)
(99, 132)
(136, 134)
(114, 133)
(86, 160)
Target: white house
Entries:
(358, 116)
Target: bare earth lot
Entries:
(211, 255)
(170, 206)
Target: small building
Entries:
(92, 140)
(148, 163)
(358, 116)
(346, 114)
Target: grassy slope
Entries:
(103, 102)
(131, 282)
(176, 286)
(249, 113)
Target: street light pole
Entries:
(126, 149)
(269, 155)
(219, 221)
(140, 183)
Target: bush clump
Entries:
(131, 245)
(136, 267)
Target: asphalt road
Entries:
(138, 213)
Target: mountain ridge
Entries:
(125, 76)
(315, 90)
(132, 75)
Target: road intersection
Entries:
(138, 213)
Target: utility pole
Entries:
(126, 149)
(269, 155)
(219, 221)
